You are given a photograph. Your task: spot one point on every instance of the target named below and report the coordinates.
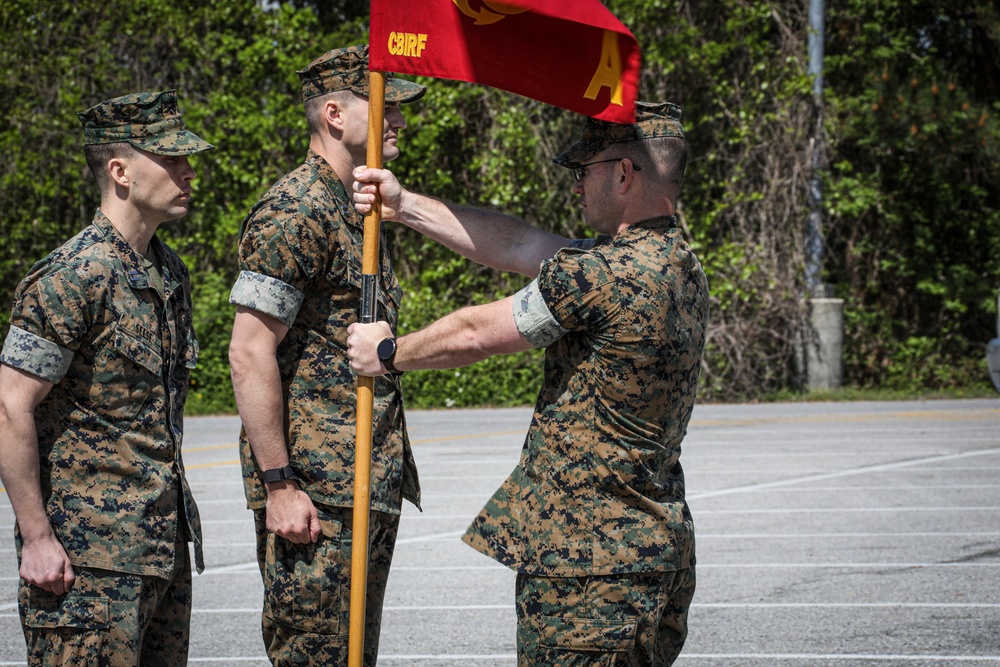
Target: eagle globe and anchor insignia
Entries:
(491, 11)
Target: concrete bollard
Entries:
(821, 348)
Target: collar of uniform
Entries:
(344, 203)
(130, 259)
(659, 222)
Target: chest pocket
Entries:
(139, 351)
(127, 372)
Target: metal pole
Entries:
(821, 347)
(366, 386)
(814, 228)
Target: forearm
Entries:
(461, 338)
(486, 237)
(20, 473)
(253, 360)
(43, 559)
(257, 387)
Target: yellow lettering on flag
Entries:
(407, 44)
(609, 70)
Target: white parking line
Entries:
(864, 470)
(917, 657)
(844, 510)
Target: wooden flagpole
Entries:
(366, 385)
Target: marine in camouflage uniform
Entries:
(593, 518)
(94, 376)
(298, 289)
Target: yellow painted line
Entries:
(424, 441)
(211, 447)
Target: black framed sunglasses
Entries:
(580, 171)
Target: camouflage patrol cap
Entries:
(150, 121)
(347, 69)
(661, 119)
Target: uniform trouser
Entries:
(635, 620)
(110, 619)
(307, 601)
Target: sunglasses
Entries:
(580, 171)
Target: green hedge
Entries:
(911, 170)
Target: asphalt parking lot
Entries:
(829, 534)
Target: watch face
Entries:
(386, 348)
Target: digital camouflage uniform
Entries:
(300, 258)
(113, 332)
(594, 518)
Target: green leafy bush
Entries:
(911, 177)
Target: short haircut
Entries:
(666, 157)
(314, 106)
(98, 156)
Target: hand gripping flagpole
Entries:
(366, 385)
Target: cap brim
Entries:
(574, 155)
(182, 142)
(401, 91)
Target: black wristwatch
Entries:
(386, 351)
(278, 474)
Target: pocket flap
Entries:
(68, 612)
(587, 634)
(138, 351)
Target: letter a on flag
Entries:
(572, 54)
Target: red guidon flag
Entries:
(572, 54)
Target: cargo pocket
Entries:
(303, 589)
(66, 630)
(586, 634)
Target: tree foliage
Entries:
(910, 178)
(915, 187)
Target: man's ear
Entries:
(332, 114)
(625, 176)
(117, 168)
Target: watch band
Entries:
(386, 352)
(278, 474)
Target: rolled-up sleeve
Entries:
(534, 319)
(33, 354)
(51, 315)
(267, 295)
